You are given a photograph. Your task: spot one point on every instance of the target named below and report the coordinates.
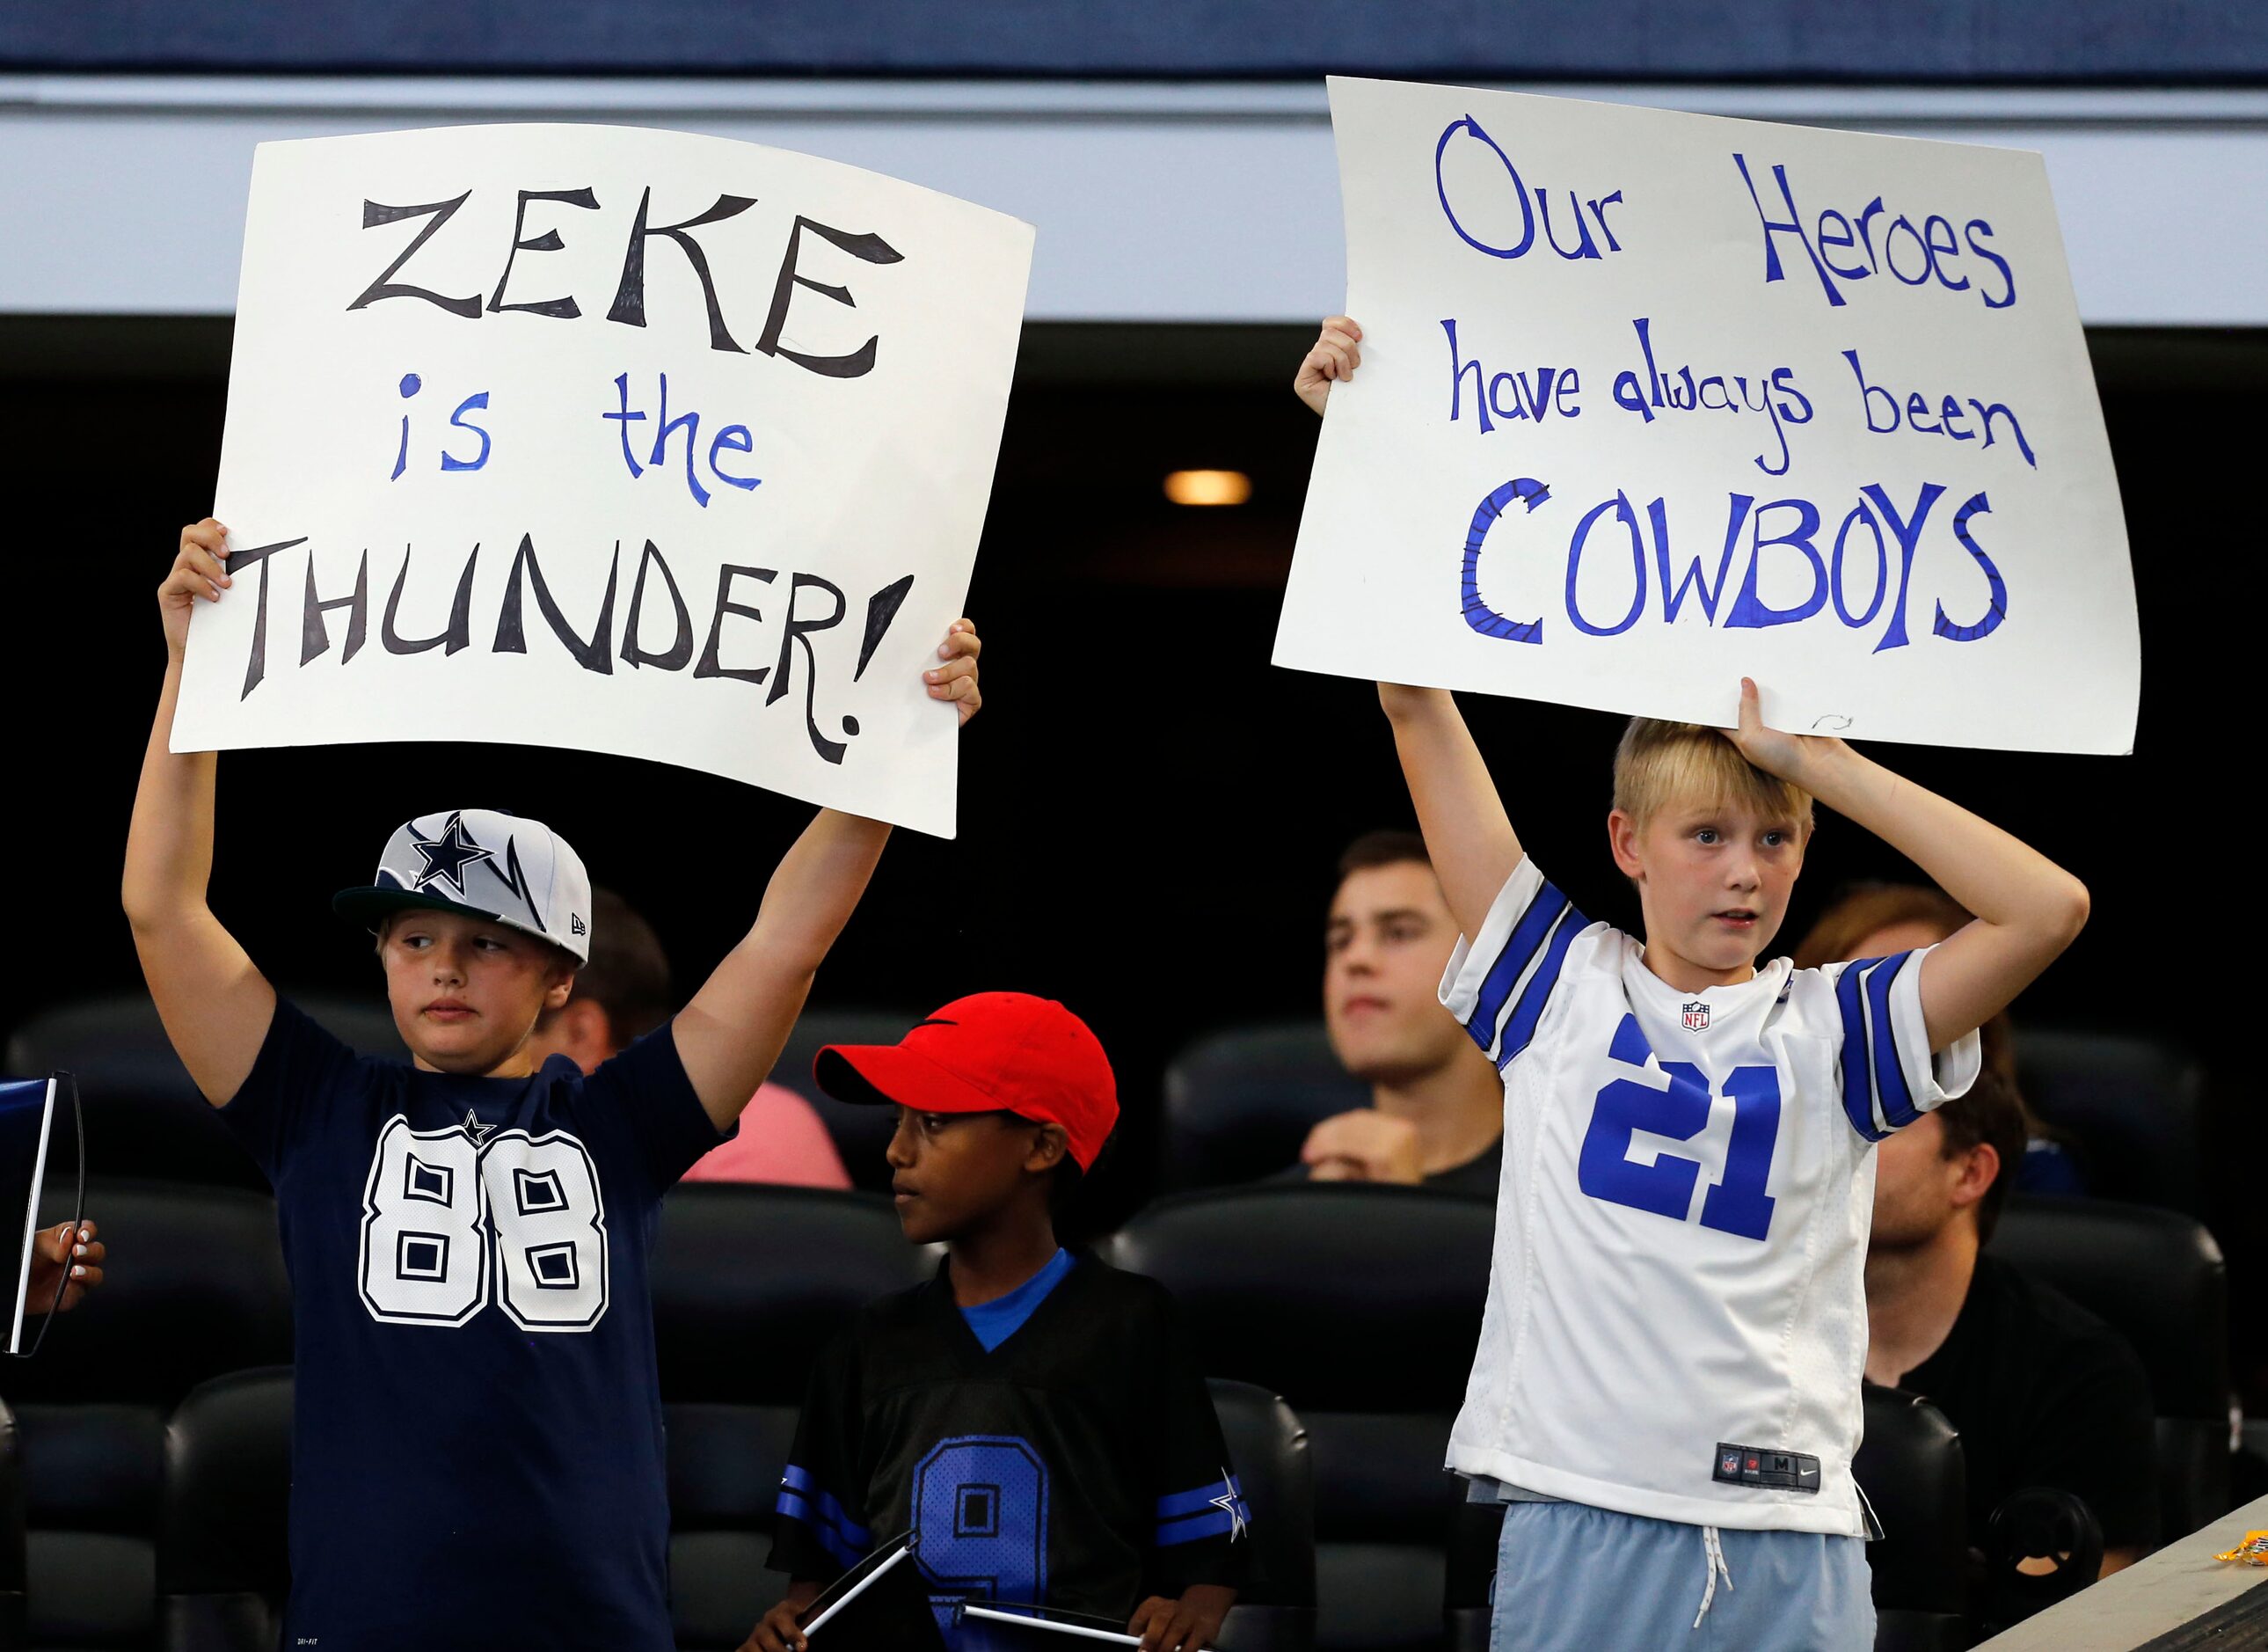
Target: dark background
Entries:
(1149, 811)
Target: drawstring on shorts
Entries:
(1712, 1566)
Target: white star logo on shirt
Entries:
(476, 1130)
(1231, 1505)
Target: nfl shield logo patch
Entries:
(1696, 1016)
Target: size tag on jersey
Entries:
(1760, 1465)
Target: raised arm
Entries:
(215, 1003)
(2027, 908)
(1468, 835)
(731, 1034)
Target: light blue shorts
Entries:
(1571, 1578)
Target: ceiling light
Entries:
(1208, 487)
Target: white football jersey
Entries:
(1677, 1318)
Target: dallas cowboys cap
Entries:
(485, 864)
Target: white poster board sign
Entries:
(622, 440)
(1649, 401)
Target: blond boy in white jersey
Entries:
(1665, 1389)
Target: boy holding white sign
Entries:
(1670, 1361)
(477, 1436)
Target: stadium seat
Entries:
(1910, 1467)
(2156, 1276)
(144, 1117)
(750, 1283)
(2133, 1106)
(724, 1467)
(1469, 1595)
(1361, 1305)
(750, 1280)
(862, 1134)
(197, 1288)
(1275, 1609)
(1239, 1104)
(224, 1561)
(11, 1533)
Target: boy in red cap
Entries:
(1034, 1416)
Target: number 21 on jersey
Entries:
(1736, 1205)
(443, 1218)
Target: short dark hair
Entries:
(1387, 847)
(1989, 1114)
(1067, 1182)
(628, 973)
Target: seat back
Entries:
(861, 1132)
(725, 1461)
(1275, 1609)
(2133, 1106)
(1239, 1103)
(197, 1288)
(11, 1533)
(2157, 1278)
(145, 1115)
(1910, 1467)
(1360, 1305)
(750, 1283)
(224, 1554)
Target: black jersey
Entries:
(1078, 1464)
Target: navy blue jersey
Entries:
(477, 1455)
(1078, 1464)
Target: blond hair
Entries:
(1658, 764)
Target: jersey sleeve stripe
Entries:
(792, 1506)
(1858, 1073)
(1198, 1498)
(1897, 1097)
(801, 1499)
(1537, 993)
(1520, 949)
(1213, 1523)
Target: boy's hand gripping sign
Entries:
(622, 440)
(1649, 401)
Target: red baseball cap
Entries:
(986, 1053)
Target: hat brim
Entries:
(370, 905)
(891, 1075)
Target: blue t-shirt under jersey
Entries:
(1001, 1318)
(477, 1456)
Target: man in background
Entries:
(2041, 1392)
(621, 995)
(1436, 1112)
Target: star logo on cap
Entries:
(448, 855)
